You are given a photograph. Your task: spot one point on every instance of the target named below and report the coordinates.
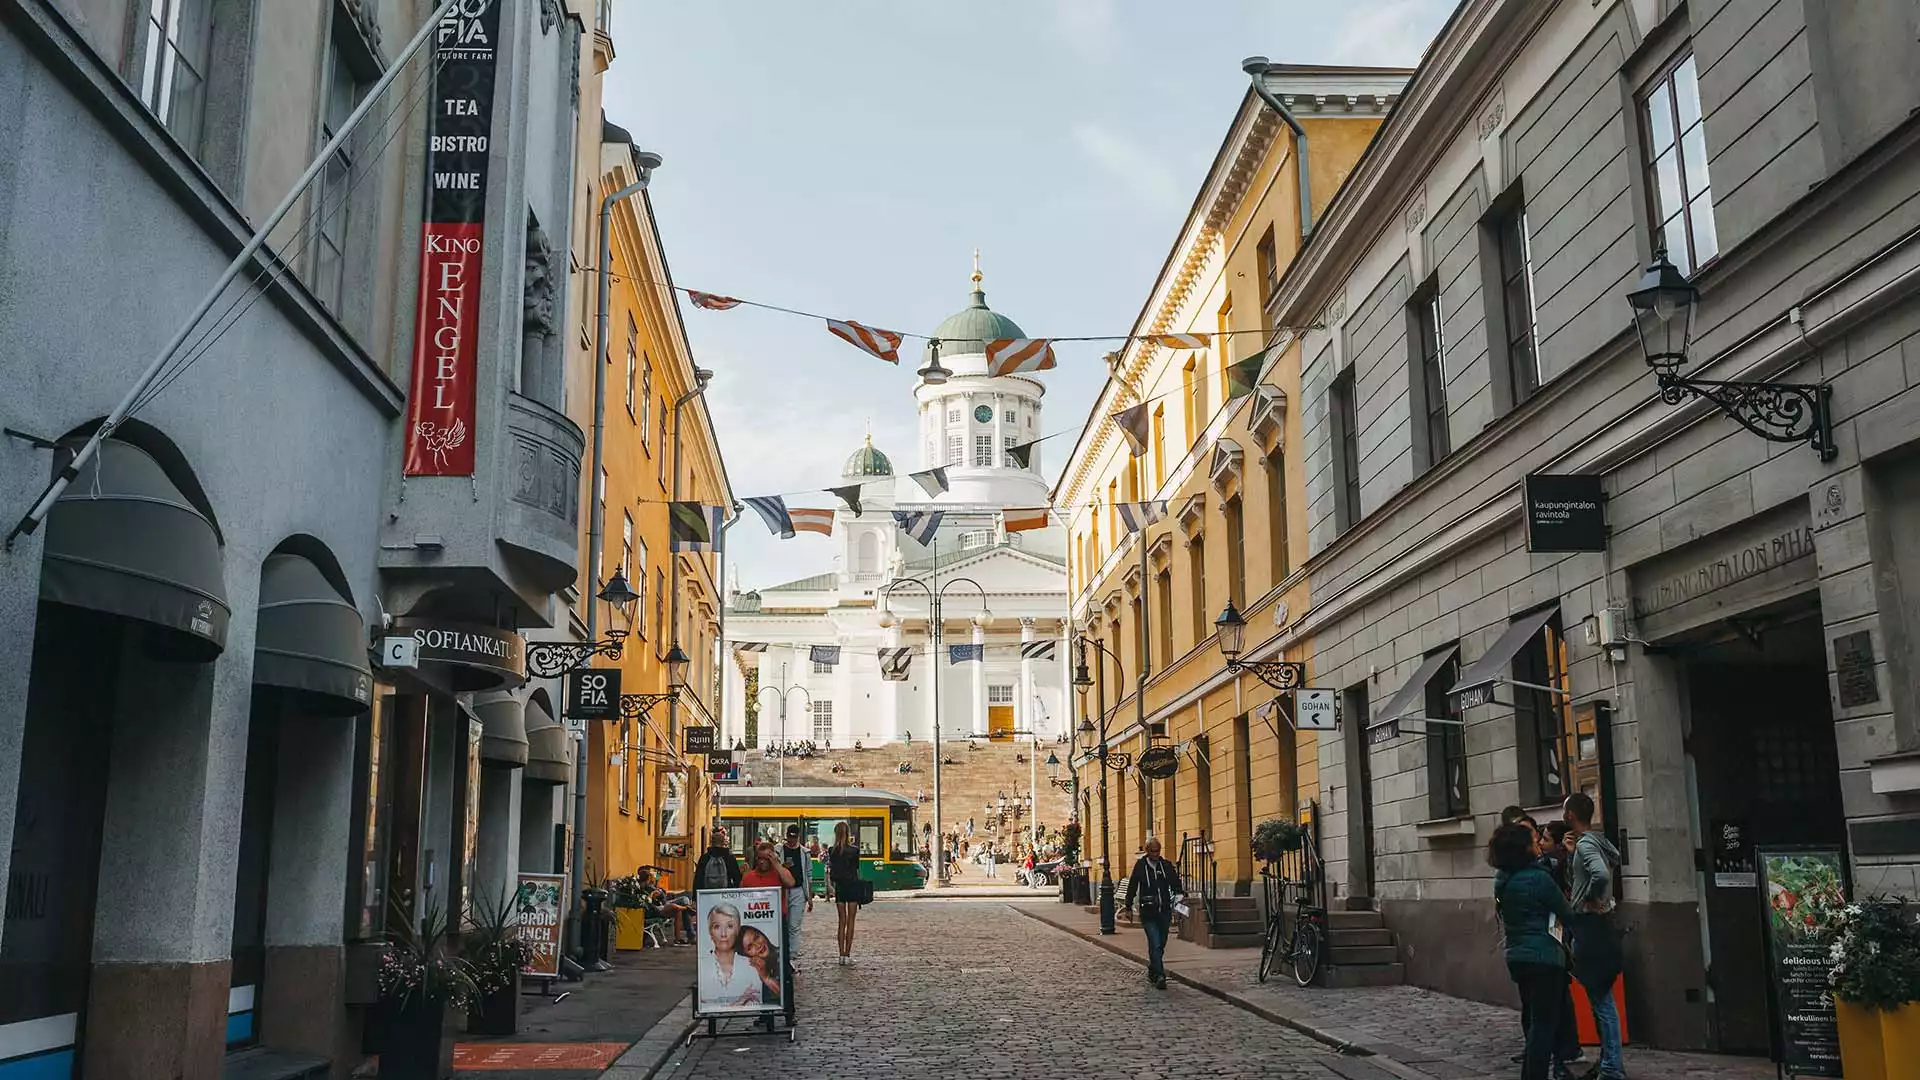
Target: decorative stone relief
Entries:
(1417, 210)
(549, 16)
(573, 73)
(1495, 113)
(536, 302)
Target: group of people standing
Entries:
(1555, 889)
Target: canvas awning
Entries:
(310, 639)
(503, 736)
(1409, 702)
(123, 539)
(548, 761)
(1478, 680)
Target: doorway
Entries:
(1761, 743)
(248, 950)
(1353, 733)
(1000, 723)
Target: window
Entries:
(1223, 348)
(928, 456)
(983, 451)
(820, 668)
(1236, 552)
(1277, 513)
(1269, 268)
(638, 579)
(335, 182)
(1197, 575)
(822, 721)
(625, 735)
(1446, 747)
(956, 449)
(1163, 597)
(953, 415)
(1159, 446)
(646, 395)
(1113, 515)
(626, 547)
(1137, 638)
(659, 604)
(1677, 168)
(633, 364)
(999, 693)
(1346, 456)
(1516, 303)
(663, 437)
(1428, 378)
(673, 804)
(1544, 718)
(179, 35)
(1012, 416)
(1190, 387)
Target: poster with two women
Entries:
(741, 936)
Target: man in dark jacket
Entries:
(718, 868)
(1154, 884)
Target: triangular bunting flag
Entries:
(1024, 519)
(932, 481)
(1037, 650)
(692, 526)
(712, 301)
(813, 521)
(773, 510)
(920, 525)
(1177, 341)
(1008, 355)
(1242, 375)
(1139, 515)
(824, 654)
(894, 663)
(1133, 424)
(849, 495)
(884, 344)
(1022, 454)
(961, 654)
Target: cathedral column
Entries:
(1023, 711)
(999, 430)
(980, 678)
(1066, 722)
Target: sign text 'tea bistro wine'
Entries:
(440, 398)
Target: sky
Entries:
(846, 157)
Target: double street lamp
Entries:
(1083, 681)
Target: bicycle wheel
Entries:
(1306, 951)
(1270, 950)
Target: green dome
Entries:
(968, 331)
(867, 461)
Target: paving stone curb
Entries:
(644, 1059)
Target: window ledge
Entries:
(1444, 828)
(1896, 774)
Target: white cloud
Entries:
(1388, 32)
(1128, 164)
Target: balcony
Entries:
(539, 521)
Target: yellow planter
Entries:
(1879, 1045)
(630, 929)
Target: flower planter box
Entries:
(414, 1043)
(1877, 1044)
(630, 929)
(498, 1013)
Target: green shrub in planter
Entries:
(1277, 836)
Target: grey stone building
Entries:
(1736, 670)
(214, 797)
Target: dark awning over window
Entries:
(1477, 682)
(1410, 702)
(547, 758)
(122, 539)
(503, 738)
(311, 639)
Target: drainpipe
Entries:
(701, 377)
(1256, 68)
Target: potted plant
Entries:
(496, 953)
(629, 908)
(418, 980)
(1874, 971)
(1275, 837)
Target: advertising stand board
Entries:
(539, 909)
(743, 970)
(1798, 888)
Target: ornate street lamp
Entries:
(1109, 760)
(551, 659)
(1664, 303)
(933, 374)
(1064, 783)
(634, 706)
(1279, 674)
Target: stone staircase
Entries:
(1236, 923)
(1362, 951)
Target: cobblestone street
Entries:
(974, 989)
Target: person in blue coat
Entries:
(1529, 902)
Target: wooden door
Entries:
(1000, 722)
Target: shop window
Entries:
(1446, 746)
(673, 808)
(1543, 716)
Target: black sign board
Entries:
(719, 762)
(494, 653)
(1853, 663)
(1383, 733)
(1565, 513)
(1159, 762)
(593, 694)
(697, 740)
(1798, 887)
(1732, 855)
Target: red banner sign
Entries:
(440, 402)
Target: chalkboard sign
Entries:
(1798, 887)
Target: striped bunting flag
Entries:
(813, 521)
(749, 646)
(884, 344)
(1037, 650)
(894, 663)
(1133, 424)
(712, 301)
(773, 510)
(1242, 375)
(824, 654)
(849, 495)
(693, 526)
(1139, 515)
(921, 525)
(961, 654)
(1177, 341)
(931, 481)
(1027, 518)
(1008, 355)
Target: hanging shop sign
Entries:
(1565, 513)
(1798, 888)
(1315, 710)
(697, 740)
(538, 912)
(719, 762)
(593, 694)
(484, 648)
(1159, 763)
(440, 397)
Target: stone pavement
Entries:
(1413, 1032)
(974, 990)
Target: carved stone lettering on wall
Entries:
(1734, 566)
(1853, 664)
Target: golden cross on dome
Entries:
(977, 276)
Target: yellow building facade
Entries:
(1225, 467)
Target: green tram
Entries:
(881, 822)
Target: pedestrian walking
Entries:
(1593, 867)
(844, 885)
(800, 893)
(717, 869)
(1155, 884)
(1526, 901)
(988, 861)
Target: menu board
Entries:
(538, 911)
(1799, 887)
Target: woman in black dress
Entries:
(844, 885)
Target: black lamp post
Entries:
(1118, 762)
(1279, 674)
(551, 659)
(1664, 303)
(634, 706)
(1053, 773)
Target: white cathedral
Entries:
(998, 589)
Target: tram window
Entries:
(737, 835)
(902, 821)
(869, 838)
(821, 829)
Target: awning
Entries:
(1477, 682)
(1409, 702)
(310, 639)
(122, 539)
(503, 736)
(548, 761)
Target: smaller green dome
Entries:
(867, 461)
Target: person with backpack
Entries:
(1155, 884)
(1592, 870)
(718, 868)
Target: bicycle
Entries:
(1303, 949)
